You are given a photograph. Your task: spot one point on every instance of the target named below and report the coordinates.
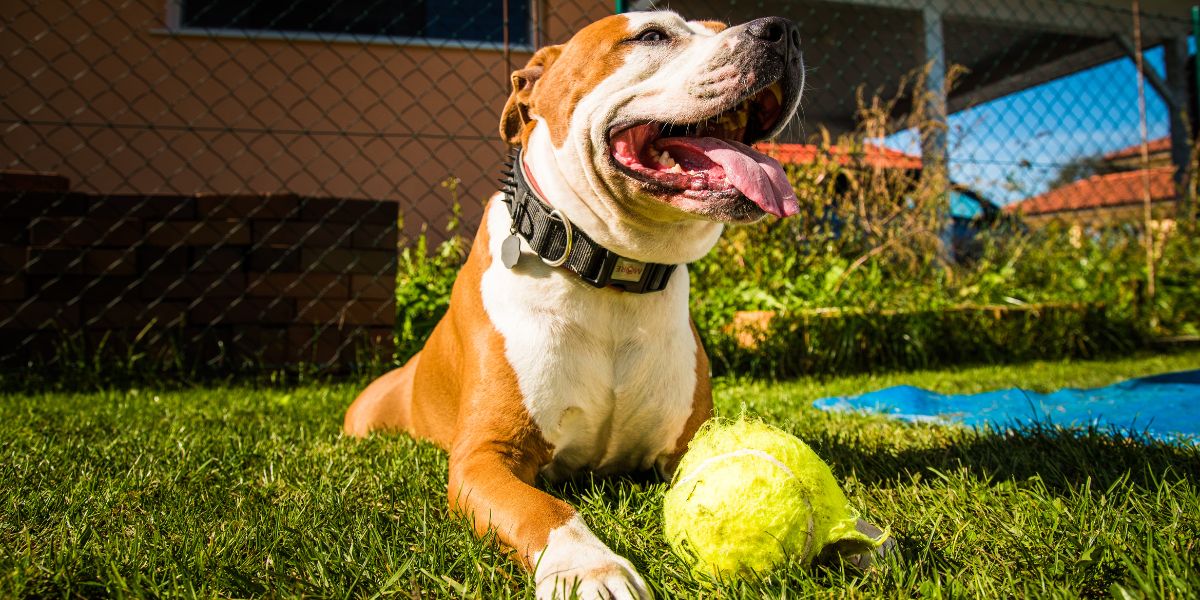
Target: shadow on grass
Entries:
(609, 488)
(1062, 458)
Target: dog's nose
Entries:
(777, 32)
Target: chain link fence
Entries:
(226, 184)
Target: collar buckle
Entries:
(549, 233)
(570, 235)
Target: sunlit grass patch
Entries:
(240, 491)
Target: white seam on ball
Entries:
(812, 525)
(736, 453)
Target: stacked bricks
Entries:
(221, 281)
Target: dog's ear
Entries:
(516, 110)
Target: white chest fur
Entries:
(607, 376)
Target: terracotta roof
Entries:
(1113, 189)
(1162, 144)
(870, 155)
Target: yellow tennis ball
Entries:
(748, 497)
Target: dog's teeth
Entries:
(675, 168)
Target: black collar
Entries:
(559, 243)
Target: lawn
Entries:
(241, 491)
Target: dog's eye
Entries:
(652, 35)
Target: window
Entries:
(459, 20)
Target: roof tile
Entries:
(1162, 144)
(1113, 189)
(869, 155)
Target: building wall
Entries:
(192, 279)
(104, 94)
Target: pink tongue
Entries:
(757, 176)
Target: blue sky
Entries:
(1012, 147)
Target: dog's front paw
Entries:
(615, 580)
(575, 564)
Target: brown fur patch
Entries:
(465, 397)
(713, 26)
(702, 404)
(587, 59)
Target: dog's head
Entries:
(657, 110)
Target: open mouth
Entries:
(712, 158)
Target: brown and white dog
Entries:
(637, 132)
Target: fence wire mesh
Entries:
(228, 182)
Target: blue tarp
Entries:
(1163, 406)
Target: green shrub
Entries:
(1177, 302)
(843, 305)
(906, 309)
(832, 341)
(424, 279)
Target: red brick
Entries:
(374, 237)
(158, 260)
(263, 345)
(198, 233)
(14, 231)
(300, 233)
(313, 345)
(150, 208)
(37, 204)
(22, 181)
(136, 315)
(110, 262)
(38, 315)
(269, 206)
(193, 285)
(333, 210)
(352, 312)
(236, 346)
(85, 231)
(245, 311)
(327, 286)
(13, 259)
(12, 287)
(371, 287)
(333, 346)
(87, 289)
(216, 260)
(273, 259)
(342, 260)
(54, 261)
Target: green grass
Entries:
(241, 492)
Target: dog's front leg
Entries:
(493, 484)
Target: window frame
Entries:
(175, 27)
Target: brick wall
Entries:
(220, 281)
